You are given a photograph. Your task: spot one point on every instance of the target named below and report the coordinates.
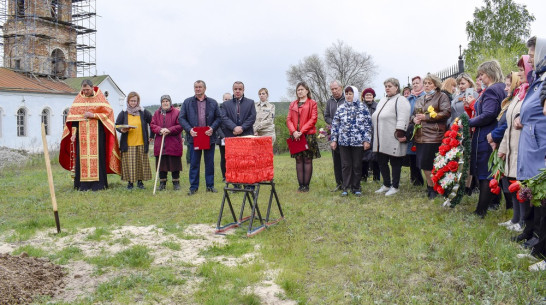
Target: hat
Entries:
(368, 90)
(166, 97)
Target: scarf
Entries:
(431, 92)
(134, 110)
(417, 93)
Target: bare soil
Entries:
(22, 278)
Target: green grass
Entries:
(330, 250)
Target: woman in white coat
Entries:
(390, 121)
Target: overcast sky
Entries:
(162, 47)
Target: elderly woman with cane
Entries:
(167, 130)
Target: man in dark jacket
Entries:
(238, 114)
(336, 100)
(199, 111)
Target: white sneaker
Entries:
(383, 189)
(506, 223)
(515, 227)
(540, 266)
(526, 255)
(391, 191)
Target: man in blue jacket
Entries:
(199, 111)
(238, 114)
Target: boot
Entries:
(176, 185)
(162, 184)
(484, 198)
(129, 185)
(431, 192)
(140, 185)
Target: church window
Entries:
(65, 115)
(45, 120)
(21, 122)
(20, 8)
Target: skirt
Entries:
(313, 152)
(135, 164)
(169, 163)
(426, 152)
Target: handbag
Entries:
(369, 156)
(296, 146)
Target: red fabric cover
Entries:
(201, 141)
(308, 114)
(249, 159)
(297, 146)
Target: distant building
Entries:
(46, 44)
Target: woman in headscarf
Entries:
(351, 134)
(486, 108)
(368, 98)
(134, 142)
(390, 121)
(508, 148)
(433, 126)
(165, 124)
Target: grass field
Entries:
(403, 249)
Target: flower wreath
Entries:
(452, 161)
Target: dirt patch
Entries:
(22, 278)
(10, 156)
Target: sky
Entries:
(164, 46)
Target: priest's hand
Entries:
(73, 137)
(124, 130)
(88, 115)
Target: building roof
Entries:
(19, 82)
(76, 82)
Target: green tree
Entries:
(498, 26)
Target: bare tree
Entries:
(340, 62)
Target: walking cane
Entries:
(50, 180)
(159, 162)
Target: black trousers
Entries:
(540, 248)
(375, 170)
(396, 164)
(336, 156)
(351, 166)
(415, 173)
(223, 160)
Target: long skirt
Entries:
(169, 163)
(426, 152)
(135, 165)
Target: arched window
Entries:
(45, 120)
(65, 115)
(20, 8)
(54, 9)
(58, 63)
(21, 122)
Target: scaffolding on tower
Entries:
(52, 38)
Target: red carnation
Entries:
(453, 166)
(444, 149)
(454, 134)
(414, 148)
(434, 179)
(454, 143)
(493, 183)
(447, 134)
(496, 190)
(439, 190)
(455, 127)
(446, 141)
(514, 187)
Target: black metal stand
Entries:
(251, 192)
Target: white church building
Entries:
(26, 102)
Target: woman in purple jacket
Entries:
(165, 123)
(487, 108)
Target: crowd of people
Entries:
(507, 116)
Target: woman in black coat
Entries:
(134, 126)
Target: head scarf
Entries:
(355, 92)
(522, 89)
(514, 83)
(165, 97)
(414, 90)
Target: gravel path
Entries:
(9, 156)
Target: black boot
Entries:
(484, 198)
(162, 184)
(176, 185)
(431, 192)
(129, 185)
(140, 185)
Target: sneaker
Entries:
(358, 194)
(392, 191)
(383, 189)
(515, 227)
(526, 255)
(540, 266)
(344, 194)
(212, 190)
(506, 223)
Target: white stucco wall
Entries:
(11, 102)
